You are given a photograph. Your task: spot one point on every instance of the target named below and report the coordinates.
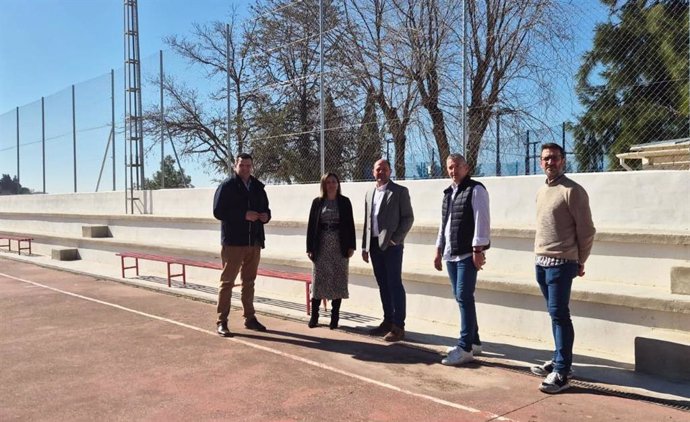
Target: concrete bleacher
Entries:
(642, 218)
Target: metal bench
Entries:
(184, 262)
(19, 239)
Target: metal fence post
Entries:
(527, 154)
(18, 177)
(43, 141)
(162, 123)
(227, 87)
(464, 79)
(112, 119)
(498, 143)
(321, 108)
(74, 138)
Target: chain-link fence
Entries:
(410, 80)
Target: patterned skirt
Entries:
(330, 271)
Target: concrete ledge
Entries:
(632, 296)
(635, 297)
(95, 231)
(680, 280)
(663, 354)
(64, 254)
(657, 237)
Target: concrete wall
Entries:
(627, 201)
(642, 218)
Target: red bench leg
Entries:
(306, 290)
(122, 263)
(168, 273)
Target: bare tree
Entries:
(515, 47)
(427, 30)
(369, 55)
(190, 120)
(287, 66)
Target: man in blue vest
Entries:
(463, 236)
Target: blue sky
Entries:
(48, 45)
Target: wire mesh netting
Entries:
(407, 80)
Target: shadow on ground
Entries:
(592, 374)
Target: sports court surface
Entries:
(75, 347)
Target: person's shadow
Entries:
(393, 353)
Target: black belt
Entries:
(330, 226)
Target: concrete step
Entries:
(585, 290)
(664, 353)
(92, 231)
(680, 280)
(65, 254)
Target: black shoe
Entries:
(383, 329)
(254, 324)
(314, 317)
(222, 329)
(335, 313)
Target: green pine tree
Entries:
(173, 178)
(634, 81)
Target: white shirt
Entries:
(482, 223)
(379, 194)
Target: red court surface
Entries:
(74, 347)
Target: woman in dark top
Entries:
(330, 244)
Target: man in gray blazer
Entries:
(387, 219)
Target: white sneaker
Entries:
(554, 383)
(458, 357)
(476, 349)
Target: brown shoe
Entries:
(381, 330)
(396, 334)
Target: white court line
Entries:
(269, 350)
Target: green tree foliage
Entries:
(634, 81)
(11, 186)
(172, 177)
(285, 113)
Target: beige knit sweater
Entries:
(564, 221)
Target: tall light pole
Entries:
(322, 142)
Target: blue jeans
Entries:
(388, 272)
(463, 280)
(555, 284)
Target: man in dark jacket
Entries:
(241, 204)
(388, 217)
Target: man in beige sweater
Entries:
(563, 241)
